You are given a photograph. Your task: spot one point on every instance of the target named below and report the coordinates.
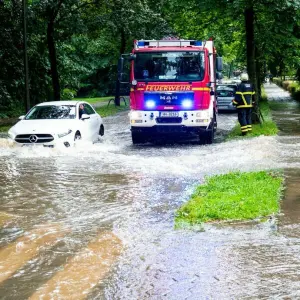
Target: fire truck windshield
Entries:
(169, 66)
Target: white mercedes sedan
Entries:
(58, 123)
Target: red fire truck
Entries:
(172, 95)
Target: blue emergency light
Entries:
(198, 43)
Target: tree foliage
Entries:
(75, 44)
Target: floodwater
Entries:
(97, 221)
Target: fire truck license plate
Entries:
(167, 114)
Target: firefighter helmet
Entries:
(244, 77)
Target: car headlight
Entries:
(60, 135)
(11, 135)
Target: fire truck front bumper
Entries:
(172, 131)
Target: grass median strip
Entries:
(233, 196)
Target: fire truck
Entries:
(173, 90)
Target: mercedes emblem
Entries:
(33, 139)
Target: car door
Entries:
(85, 125)
(94, 125)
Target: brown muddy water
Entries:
(97, 221)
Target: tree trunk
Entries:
(123, 42)
(250, 45)
(53, 60)
(117, 94)
(230, 69)
(250, 51)
(118, 84)
(258, 69)
(27, 97)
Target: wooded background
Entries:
(73, 45)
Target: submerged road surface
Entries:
(97, 221)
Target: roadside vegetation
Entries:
(94, 100)
(4, 128)
(233, 197)
(74, 46)
(267, 127)
(105, 111)
(292, 86)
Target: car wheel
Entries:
(101, 130)
(77, 136)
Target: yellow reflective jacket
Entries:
(244, 96)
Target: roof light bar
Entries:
(167, 43)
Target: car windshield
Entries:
(169, 66)
(52, 112)
(225, 91)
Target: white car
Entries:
(58, 123)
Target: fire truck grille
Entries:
(176, 120)
(174, 98)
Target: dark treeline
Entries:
(73, 45)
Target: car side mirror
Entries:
(85, 116)
(21, 117)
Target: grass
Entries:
(110, 110)
(268, 127)
(94, 100)
(233, 196)
(5, 128)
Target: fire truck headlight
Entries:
(136, 114)
(150, 104)
(187, 103)
(203, 114)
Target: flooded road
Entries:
(97, 222)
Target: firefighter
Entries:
(244, 100)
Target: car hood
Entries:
(43, 126)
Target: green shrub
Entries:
(297, 95)
(285, 84)
(291, 86)
(68, 94)
(93, 94)
(277, 81)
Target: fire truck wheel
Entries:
(207, 137)
(137, 138)
(210, 136)
(215, 122)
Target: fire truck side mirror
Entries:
(219, 75)
(132, 57)
(219, 64)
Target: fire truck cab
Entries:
(173, 90)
